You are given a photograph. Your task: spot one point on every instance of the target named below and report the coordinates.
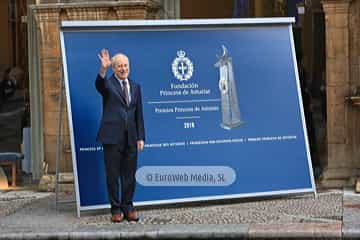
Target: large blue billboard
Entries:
(222, 108)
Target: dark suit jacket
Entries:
(117, 118)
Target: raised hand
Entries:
(104, 57)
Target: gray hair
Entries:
(116, 57)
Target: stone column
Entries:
(48, 21)
(339, 169)
(170, 9)
(354, 59)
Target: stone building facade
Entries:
(341, 158)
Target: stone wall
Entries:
(354, 64)
(48, 18)
(342, 77)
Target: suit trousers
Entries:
(120, 162)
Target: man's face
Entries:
(121, 67)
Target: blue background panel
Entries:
(273, 154)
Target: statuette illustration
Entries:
(227, 86)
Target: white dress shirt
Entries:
(127, 86)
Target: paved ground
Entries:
(332, 215)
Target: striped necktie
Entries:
(126, 93)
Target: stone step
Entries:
(66, 182)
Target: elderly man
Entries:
(121, 132)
